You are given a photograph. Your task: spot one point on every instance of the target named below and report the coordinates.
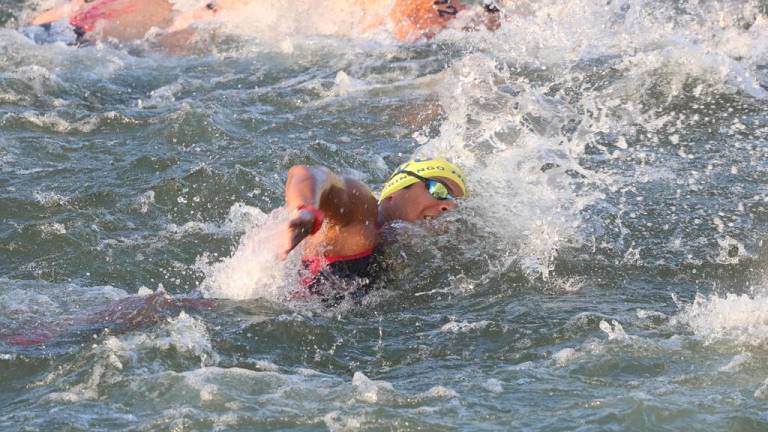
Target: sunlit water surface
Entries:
(606, 273)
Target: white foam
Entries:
(253, 270)
(762, 392)
(731, 251)
(53, 121)
(614, 330)
(531, 210)
(439, 392)
(188, 334)
(565, 356)
(88, 390)
(52, 229)
(335, 421)
(737, 318)
(50, 199)
(368, 390)
(649, 314)
(145, 200)
(493, 385)
(344, 84)
(39, 78)
(183, 334)
(265, 365)
(736, 363)
(464, 326)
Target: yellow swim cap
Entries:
(425, 168)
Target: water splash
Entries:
(253, 270)
(737, 319)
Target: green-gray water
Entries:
(606, 273)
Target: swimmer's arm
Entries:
(343, 201)
(58, 13)
(321, 188)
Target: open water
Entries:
(608, 271)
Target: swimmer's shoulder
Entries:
(360, 195)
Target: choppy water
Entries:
(607, 272)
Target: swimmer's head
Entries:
(416, 171)
(421, 189)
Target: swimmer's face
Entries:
(415, 203)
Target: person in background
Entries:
(130, 20)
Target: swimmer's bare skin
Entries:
(423, 18)
(57, 13)
(124, 20)
(352, 214)
(128, 20)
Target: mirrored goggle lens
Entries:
(438, 190)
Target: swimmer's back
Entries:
(123, 20)
(413, 19)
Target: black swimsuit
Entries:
(335, 278)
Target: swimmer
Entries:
(338, 221)
(423, 19)
(125, 20)
(126, 314)
(128, 20)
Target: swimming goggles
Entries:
(436, 188)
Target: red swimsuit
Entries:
(87, 19)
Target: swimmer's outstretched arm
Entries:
(343, 201)
(58, 13)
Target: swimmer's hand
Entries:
(297, 229)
